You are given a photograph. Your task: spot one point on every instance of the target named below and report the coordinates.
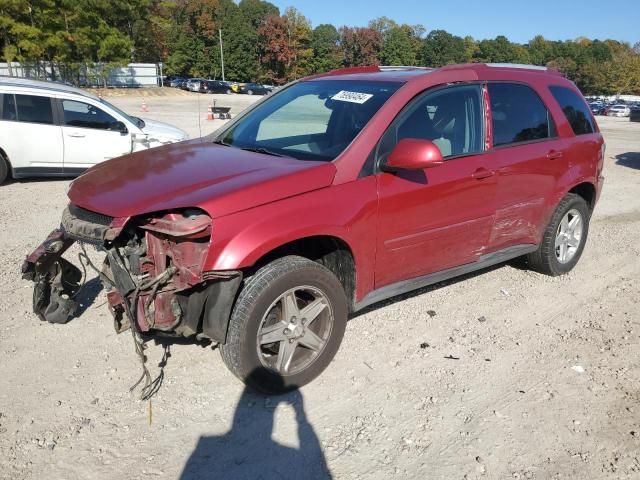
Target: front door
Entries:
(441, 217)
(90, 135)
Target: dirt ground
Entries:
(502, 374)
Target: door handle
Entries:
(76, 135)
(481, 173)
(554, 154)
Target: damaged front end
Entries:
(153, 273)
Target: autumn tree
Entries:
(360, 46)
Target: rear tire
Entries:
(228, 92)
(286, 325)
(564, 238)
(4, 169)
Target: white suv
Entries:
(618, 111)
(50, 129)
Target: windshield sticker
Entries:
(353, 97)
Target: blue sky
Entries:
(516, 19)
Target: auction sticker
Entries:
(353, 97)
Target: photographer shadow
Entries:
(247, 450)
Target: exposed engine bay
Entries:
(153, 273)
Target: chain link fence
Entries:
(104, 75)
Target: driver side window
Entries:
(450, 117)
(83, 115)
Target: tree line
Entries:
(261, 43)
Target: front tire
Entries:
(564, 238)
(4, 169)
(286, 325)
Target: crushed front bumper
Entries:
(153, 277)
(57, 281)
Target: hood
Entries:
(220, 180)
(162, 132)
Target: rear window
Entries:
(575, 109)
(27, 108)
(519, 115)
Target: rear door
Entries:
(29, 135)
(91, 135)
(441, 217)
(529, 156)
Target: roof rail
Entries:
(43, 85)
(523, 66)
(374, 69)
(387, 68)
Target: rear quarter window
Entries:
(575, 110)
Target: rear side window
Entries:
(518, 114)
(27, 108)
(575, 109)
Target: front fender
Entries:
(347, 212)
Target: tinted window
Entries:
(451, 118)
(518, 114)
(9, 107)
(575, 109)
(27, 108)
(83, 115)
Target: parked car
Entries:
(331, 195)
(50, 129)
(235, 86)
(634, 115)
(596, 107)
(254, 89)
(175, 82)
(618, 111)
(215, 86)
(195, 84)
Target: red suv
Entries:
(336, 192)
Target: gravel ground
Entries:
(500, 374)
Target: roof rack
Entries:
(388, 68)
(374, 69)
(43, 85)
(522, 66)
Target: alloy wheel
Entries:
(294, 330)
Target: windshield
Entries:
(314, 120)
(135, 120)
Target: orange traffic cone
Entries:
(143, 107)
(210, 112)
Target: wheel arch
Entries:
(587, 191)
(4, 157)
(330, 251)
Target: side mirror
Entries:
(413, 154)
(120, 127)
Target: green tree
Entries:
(442, 48)
(299, 40)
(326, 50)
(398, 47)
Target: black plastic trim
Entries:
(405, 286)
